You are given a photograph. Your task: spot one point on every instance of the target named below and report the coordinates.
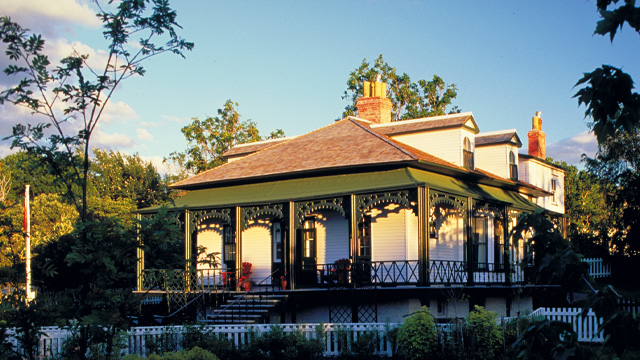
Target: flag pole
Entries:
(27, 236)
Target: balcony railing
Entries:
(184, 280)
(406, 272)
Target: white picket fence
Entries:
(137, 340)
(586, 327)
(597, 267)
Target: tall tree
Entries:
(592, 216)
(411, 100)
(83, 91)
(120, 176)
(210, 138)
(614, 108)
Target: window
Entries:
(513, 167)
(499, 255)
(229, 246)
(364, 237)
(554, 187)
(467, 154)
(276, 236)
(309, 238)
(480, 237)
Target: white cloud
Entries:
(101, 139)
(161, 167)
(45, 15)
(118, 110)
(572, 148)
(143, 134)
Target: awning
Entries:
(339, 185)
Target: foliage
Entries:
(83, 91)
(553, 259)
(486, 333)
(277, 344)
(364, 346)
(621, 328)
(417, 337)
(608, 96)
(195, 353)
(26, 318)
(199, 336)
(618, 162)
(591, 209)
(210, 138)
(120, 176)
(410, 100)
(162, 241)
(545, 340)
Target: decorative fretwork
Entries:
(514, 216)
(364, 203)
(303, 209)
(198, 216)
(250, 213)
(483, 208)
(456, 202)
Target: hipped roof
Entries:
(346, 144)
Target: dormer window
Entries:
(467, 154)
(513, 167)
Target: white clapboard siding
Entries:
(256, 249)
(388, 235)
(333, 237)
(209, 236)
(449, 244)
(494, 159)
(445, 144)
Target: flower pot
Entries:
(283, 283)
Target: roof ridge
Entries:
(385, 139)
(202, 174)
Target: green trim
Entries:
(323, 187)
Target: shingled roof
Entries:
(503, 137)
(344, 144)
(430, 123)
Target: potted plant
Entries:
(283, 281)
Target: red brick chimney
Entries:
(374, 105)
(537, 138)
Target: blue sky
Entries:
(286, 63)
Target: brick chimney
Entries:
(537, 137)
(374, 105)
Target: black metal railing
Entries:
(448, 272)
(407, 272)
(185, 280)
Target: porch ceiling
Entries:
(338, 185)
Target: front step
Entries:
(246, 309)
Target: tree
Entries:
(85, 92)
(608, 96)
(592, 216)
(411, 100)
(119, 176)
(210, 138)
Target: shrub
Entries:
(199, 336)
(276, 344)
(193, 354)
(417, 337)
(486, 337)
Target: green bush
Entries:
(199, 336)
(417, 337)
(485, 334)
(195, 353)
(277, 344)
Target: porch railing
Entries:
(185, 280)
(407, 272)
